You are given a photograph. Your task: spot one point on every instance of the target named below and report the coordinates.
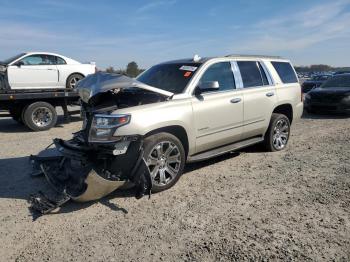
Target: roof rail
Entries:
(252, 56)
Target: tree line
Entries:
(132, 70)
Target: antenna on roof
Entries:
(196, 58)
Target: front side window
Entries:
(285, 72)
(39, 60)
(222, 73)
(251, 74)
(172, 77)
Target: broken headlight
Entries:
(104, 126)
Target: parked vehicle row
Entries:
(331, 96)
(315, 81)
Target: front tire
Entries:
(165, 157)
(277, 135)
(40, 116)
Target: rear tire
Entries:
(40, 116)
(165, 157)
(277, 135)
(72, 80)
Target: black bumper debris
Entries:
(82, 173)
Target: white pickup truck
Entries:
(42, 70)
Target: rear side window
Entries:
(250, 73)
(285, 72)
(60, 61)
(222, 73)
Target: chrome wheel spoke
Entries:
(154, 171)
(162, 178)
(172, 172)
(284, 128)
(152, 161)
(169, 150)
(174, 158)
(159, 150)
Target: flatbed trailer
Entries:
(36, 108)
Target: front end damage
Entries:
(96, 162)
(84, 173)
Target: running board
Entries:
(224, 149)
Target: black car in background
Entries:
(331, 96)
(315, 81)
(341, 72)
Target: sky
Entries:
(113, 33)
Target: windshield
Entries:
(339, 81)
(170, 77)
(9, 60)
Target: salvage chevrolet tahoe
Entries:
(144, 130)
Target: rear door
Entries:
(33, 71)
(259, 97)
(218, 114)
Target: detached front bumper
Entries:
(89, 172)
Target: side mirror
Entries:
(209, 85)
(19, 63)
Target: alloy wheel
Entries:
(280, 134)
(164, 162)
(73, 82)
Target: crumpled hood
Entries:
(101, 82)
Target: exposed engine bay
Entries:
(94, 162)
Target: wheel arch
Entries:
(285, 109)
(175, 130)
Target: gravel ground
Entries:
(249, 205)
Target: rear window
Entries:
(285, 72)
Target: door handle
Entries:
(270, 94)
(235, 100)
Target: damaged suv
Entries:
(144, 130)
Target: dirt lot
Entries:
(292, 205)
